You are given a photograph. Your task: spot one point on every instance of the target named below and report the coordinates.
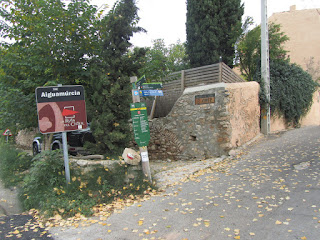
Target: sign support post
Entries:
(65, 153)
(65, 156)
(143, 149)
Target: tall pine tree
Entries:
(213, 27)
(108, 91)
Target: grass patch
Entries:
(13, 164)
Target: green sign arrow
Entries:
(140, 123)
(141, 81)
(151, 86)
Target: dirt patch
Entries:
(160, 166)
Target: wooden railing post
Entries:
(220, 72)
(182, 80)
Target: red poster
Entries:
(61, 109)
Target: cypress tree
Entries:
(213, 27)
(109, 94)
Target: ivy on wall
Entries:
(291, 90)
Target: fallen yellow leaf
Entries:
(207, 223)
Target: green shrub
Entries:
(43, 184)
(46, 173)
(13, 164)
(45, 187)
(291, 90)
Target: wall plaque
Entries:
(204, 99)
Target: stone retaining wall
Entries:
(25, 138)
(192, 131)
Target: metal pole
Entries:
(65, 156)
(65, 153)
(265, 68)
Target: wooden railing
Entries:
(175, 83)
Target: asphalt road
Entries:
(14, 224)
(22, 227)
(269, 192)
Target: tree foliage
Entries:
(249, 49)
(291, 90)
(54, 42)
(51, 44)
(161, 60)
(213, 28)
(109, 94)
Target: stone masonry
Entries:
(195, 132)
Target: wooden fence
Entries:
(175, 84)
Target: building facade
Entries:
(303, 29)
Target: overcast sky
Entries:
(166, 18)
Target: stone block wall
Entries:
(192, 131)
(25, 137)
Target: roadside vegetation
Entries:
(291, 88)
(13, 164)
(42, 184)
